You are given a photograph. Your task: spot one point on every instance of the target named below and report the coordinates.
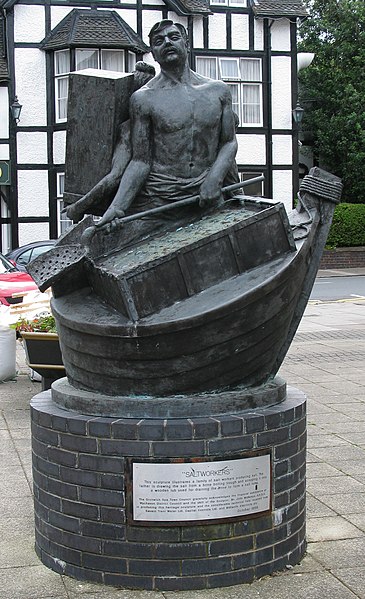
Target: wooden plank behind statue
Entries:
(98, 102)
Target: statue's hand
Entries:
(111, 220)
(73, 213)
(210, 193)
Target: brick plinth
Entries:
(353, 257)
(79, 468)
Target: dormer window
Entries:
(66, 61)
(98, 39)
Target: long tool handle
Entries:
(187, 202)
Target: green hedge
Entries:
(348, 226)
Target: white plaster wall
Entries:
(198, 40)
(251, 149)
(29, 23)
(282, 149)
(156, 2)
(32, 147)
(59, 147)
(240, 32)
(33, 193)
(58, 13)
(283, 189)
(217, 31)
(259, 34)
(280, 35)
(177, 19)
(129, 16)
(4, 113)
(150, 17)
(29, 232)
(4, 152)
(30, 70)
(281, 92)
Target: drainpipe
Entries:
(269, 149)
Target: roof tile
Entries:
(279, 8)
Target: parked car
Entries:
(13, 281)
(26, 253)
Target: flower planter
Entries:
(43, 354)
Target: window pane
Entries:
(61, 96)
(250, 69)
(112, 60)
(206, 66)
(229, 68)
(255, 189)
(225, 2)
(251, 103)
(24, 258)
(234, 89)
(62, 62)
(131, 62)
(86, 59)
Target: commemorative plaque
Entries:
(199, 491)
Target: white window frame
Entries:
(63, 222)
(239, 3)
(60, 118)
(244, 175)
(237, 80)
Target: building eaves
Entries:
(189, 7)
(96, 28)
(279, 8)
(4, 73)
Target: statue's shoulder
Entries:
(212, 85)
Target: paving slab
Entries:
(331, 529)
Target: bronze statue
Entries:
(182, 132)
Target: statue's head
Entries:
(169, 42)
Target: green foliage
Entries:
(348, 226)
(40, 324)
(333, 89)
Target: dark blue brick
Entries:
(281, 500)
(45, 435)
(125, 428)
(46, 467)
(124, 448)
(151, 430)
(231, 578)
(272, 437)
(205, 428)
(180, 550)
(78, 443)
(62, 489)
(102, 464)
(135, 550)
(231, 546)
(101, 530)
(178, 429)
(84, 574)
(206, 566)
(177, 448)
(154, 567)
(65, 553)
(64, 522)
(79, 477)
(80, 510)
(298, 428)
(230, 425)
(104, 563)
(153, 534)
(206, 533)
(49, 500)
(254, 423)
(112, 515)
(102, 497)
(286, 450)
(109, 481)
(62, 457)
(99, 427)
(230, 445)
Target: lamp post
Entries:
(16, 109)
(298, 113)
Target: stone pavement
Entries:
(326, 361)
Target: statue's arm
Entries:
(139, 166)
(210, 190)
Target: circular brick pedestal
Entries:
(82, 526)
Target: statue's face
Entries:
(169, 46)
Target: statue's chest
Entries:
(185, 108)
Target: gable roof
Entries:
(189, 7)
(4, 73)
(91, 27)
(279, 8)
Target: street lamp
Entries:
(298, 113)
(16, 109)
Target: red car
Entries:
(13, 281)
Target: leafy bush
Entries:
(348, 226)
(40, 324)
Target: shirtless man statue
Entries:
(182, 133)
